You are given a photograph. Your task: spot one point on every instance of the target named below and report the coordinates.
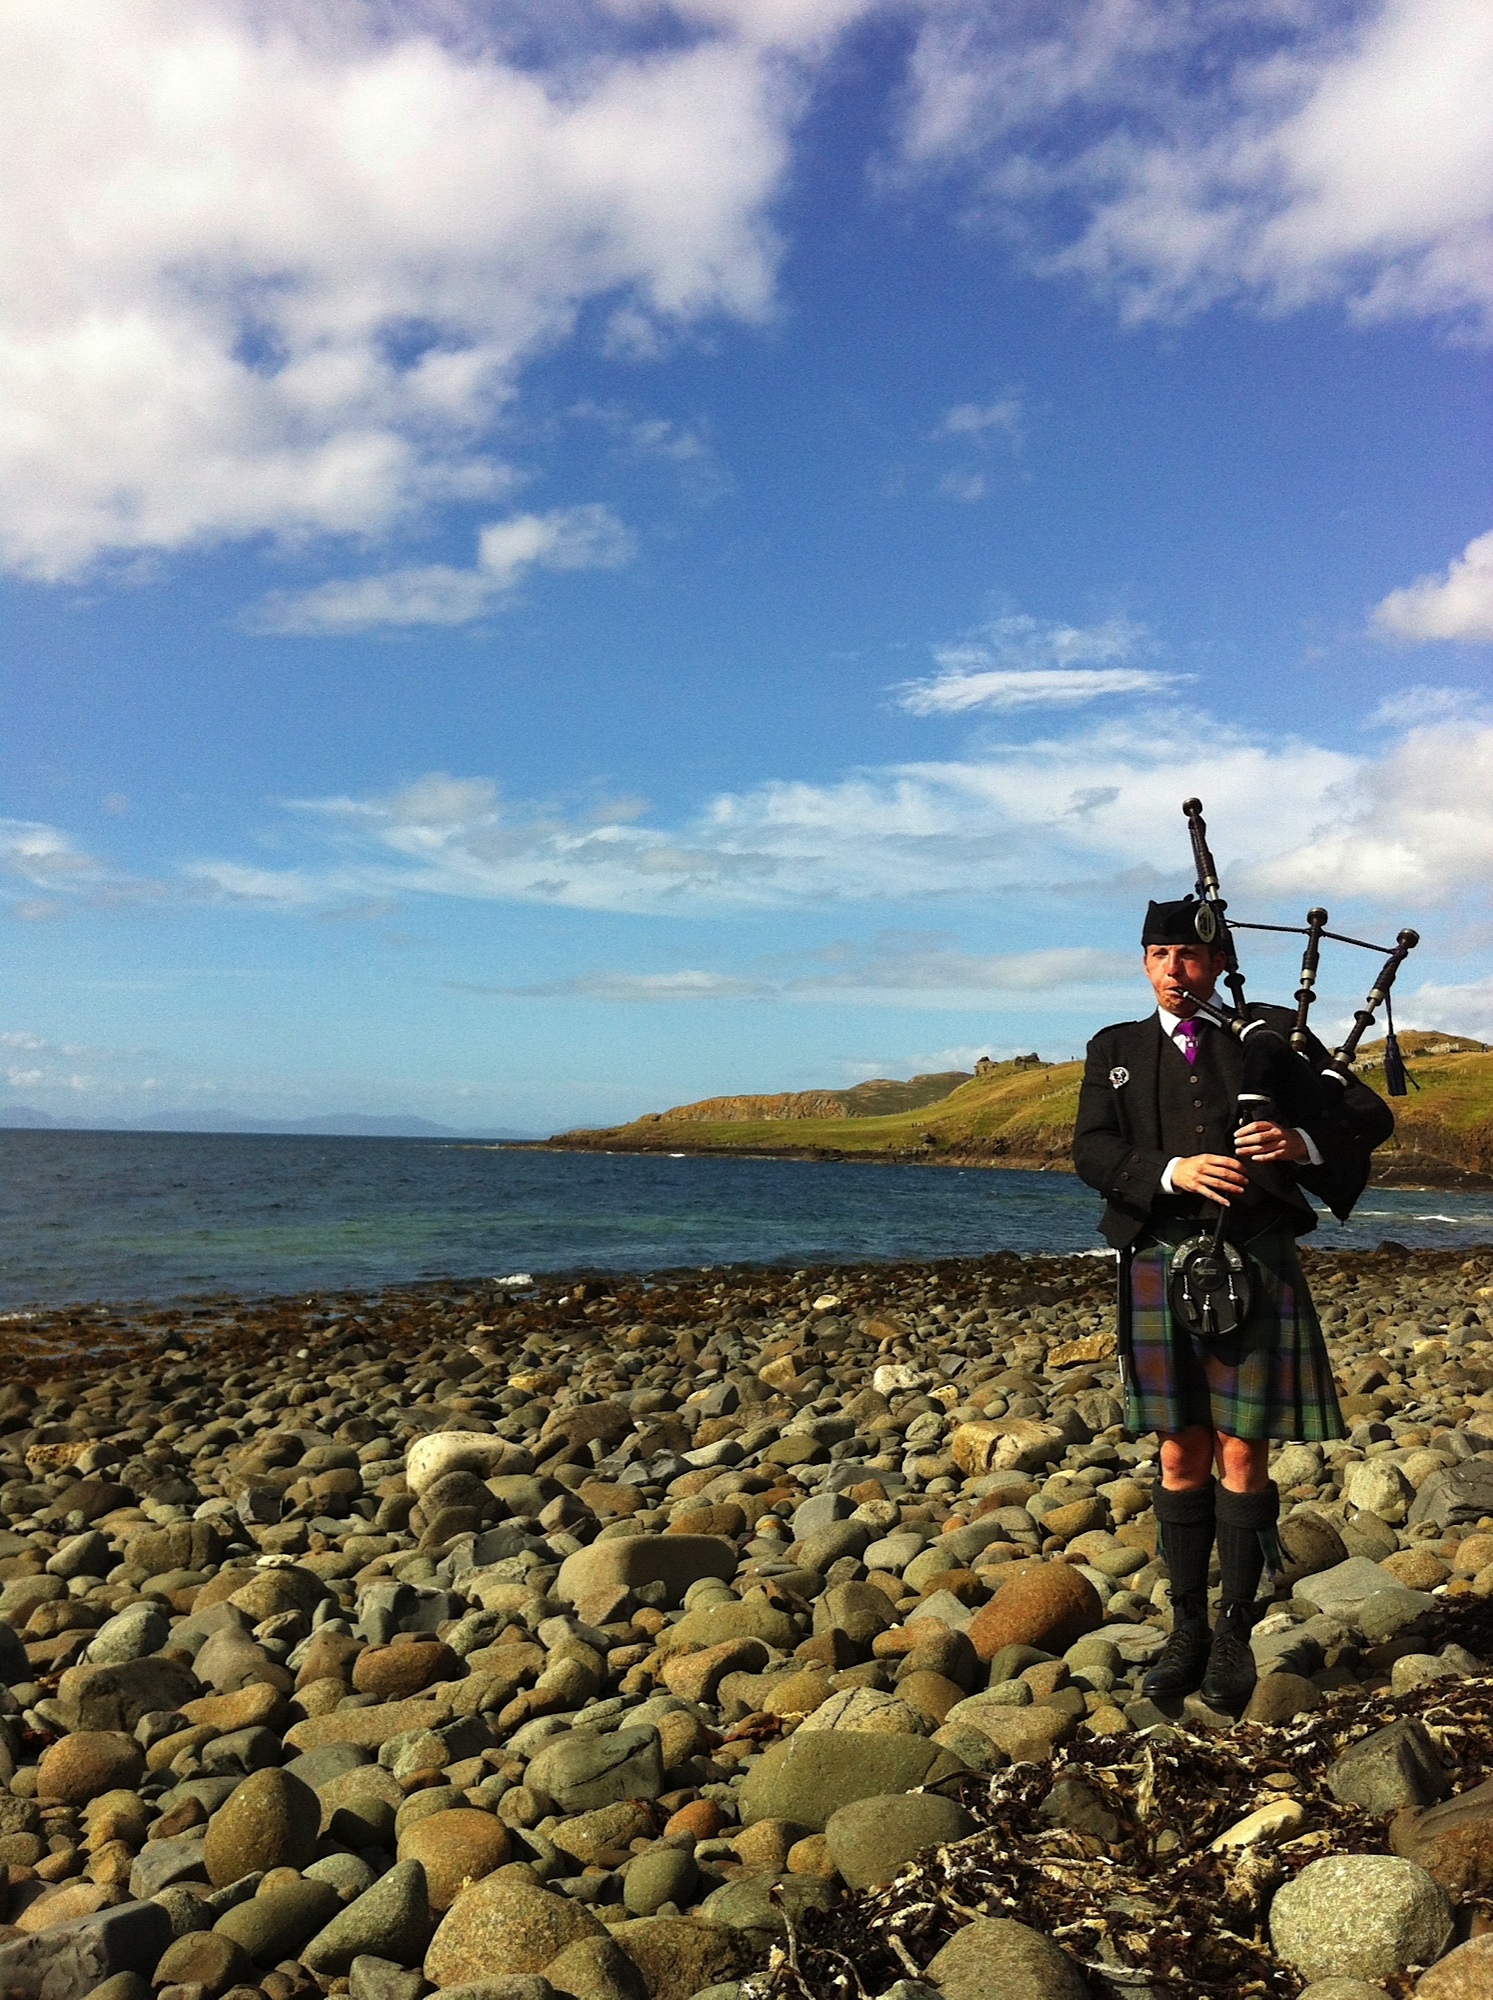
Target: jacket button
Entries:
(1198, 1128)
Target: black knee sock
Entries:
(1185, 1522)
(1246, 1526)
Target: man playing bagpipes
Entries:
(1202, 1126)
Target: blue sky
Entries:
(558, 561)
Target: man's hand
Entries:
(1263, 1142)
(1215, 1175)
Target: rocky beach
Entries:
(755, 1633)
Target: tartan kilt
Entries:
(1270, 1379)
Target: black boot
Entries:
(1231, 1673)
(1246, 1527)
(1179, 1667)
(1185, 1521)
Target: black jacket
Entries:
(1118, 1146)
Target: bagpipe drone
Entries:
(1210, 1286)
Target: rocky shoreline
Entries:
(762, 1632)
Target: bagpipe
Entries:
(1210, 1280)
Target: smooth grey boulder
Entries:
(1394, 1768)
(274, 1926)
(1388, 1613)
(333, 1760)
(994, 1958)
(1341, 1589)
(827, 1545)
(68, 1961)
(756, 1904)
(634, 1561)
(870, 1839)
(819, 1511)
(1461, 1494)
(583, 1769)
(372, 1978)
(115, 1697)
(817, 1771)
(1311, 1544)
(88, 1554)
(1359, 1916)
(160, 1863)
(131, 1634)
(391, 1920)
(668, 1875)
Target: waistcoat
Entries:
(1198, 1107)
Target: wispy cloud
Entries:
(1068, 810)
(633, 988)
(1457, 605)
(1413, 707)
(922, 969)
(683, 451)
(44, 856)
(37, 857)
(980, 423)
(1024, 662)
(570, 538)
(966, 486)
(897, 968)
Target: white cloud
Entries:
(923, 971)
(1457, 605)
(277, 270)
(1023, 662)
(1412, 706)
(36, 856)
(633, 988)
(43, 855)
(267, 888)
(1068, 808)
(957, 690)
(1415, 823)
(1465, 1009)
(1288, 153)
(897, 968)
(981, 421)
(966, 486)
(570, 538)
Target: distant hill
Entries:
(348, 1125)
(1020, 1114)
(876, 1099)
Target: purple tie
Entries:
(1187, 1038)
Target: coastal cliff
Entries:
(1020, 1114)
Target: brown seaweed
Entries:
(1155, 1913)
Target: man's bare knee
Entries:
(1243, 1463)
(1187, 1459)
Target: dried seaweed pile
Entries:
(1154, 1912)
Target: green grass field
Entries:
(1015, 1115)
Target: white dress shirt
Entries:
(1170, 1023)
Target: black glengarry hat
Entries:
(1187, 922)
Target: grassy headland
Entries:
(1020, 1114)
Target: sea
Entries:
(136, 1216)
